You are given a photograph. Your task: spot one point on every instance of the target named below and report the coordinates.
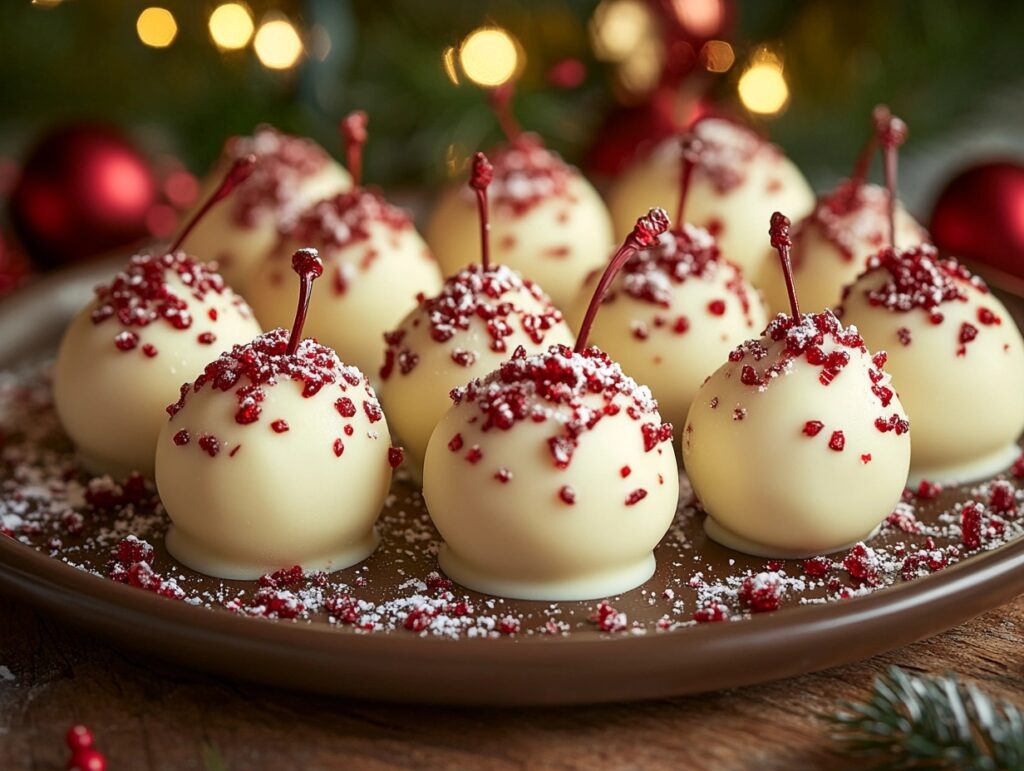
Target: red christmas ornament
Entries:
(979, 216)
(83, 190)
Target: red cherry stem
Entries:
(483, 173)
(237, 174)
(309, 266)
(779, 232)
(691, 148)
(501, 103)
(353, 133)
(891, 132)
(645, 233)
(860, 170)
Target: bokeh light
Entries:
(231, 26)
(762, 87)
(277, 44)
(717, 56)
(700, 17)
(489, 56)
(618, 27)
(448, 60)
(156, 27)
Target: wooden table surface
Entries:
(147, 715)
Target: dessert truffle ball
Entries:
(547, 221)
(739, 179)
(956, 357)
(673, 313)
(278, 454)
(798, 444)
(553, 477)
(125, 354)
(291, 173)
(848, 225)
(375, 263)
(482, 314)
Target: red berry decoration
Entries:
(84, 757)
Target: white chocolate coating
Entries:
(417, 396)
(112, 402)
(280, 499)
(736, 185)
(965, 400)
(370, 284)
(767, 486)
(831, 246)
(290, 175)
(520, 538)
(671, 334)
(555, 241)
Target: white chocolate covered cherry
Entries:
(553, 477)
(375, 262)
(481, 314)
(291, 174)
(740, 179)
(278, 454)
(956, 357)
(547, 221)
(798, 444)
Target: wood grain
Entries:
(149, 716)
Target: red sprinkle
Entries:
(209, 444)
(503, 475)
(716, 307)
(475, 454)
(456, 443)
(395, 456)
(625, 471)
(837, 442)
(182, 438)
(279, 426)
(567, 494)
(636, 496)
(761, 593)
(813, 427)
(339, 447)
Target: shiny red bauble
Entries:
(979, 216)
(83, 190)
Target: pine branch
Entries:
(924, 722)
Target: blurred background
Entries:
(601, 79)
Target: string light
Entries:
(762, 87)
(277, 44)
(231, 26)
(156, 27)
(489, 56)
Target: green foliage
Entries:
(918, 722)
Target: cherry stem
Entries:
(891, 133)
(309, 266)
(483, 173)
(237, 174)
(690, 153)
(353, 133)
(860, 170)
(501, 103)
(645, 233)
(781, 242)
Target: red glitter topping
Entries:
(283, 163)
(862, 564)
(248, 370)
(140, 295)
(336, 223)
(726, 150)
(918, 279)
(531, 387)
(474, 293)
(526, 173)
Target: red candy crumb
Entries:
(837, 441)
(567, 494)
(456, 443)
(716, 308)
(608, 619)
(503, 475)
(279, 426)
(817, 567)
(209, 444)
(283, 578)
(711, 613)
(1002, 498)
(395, 456)
(761, 593)
(475, 454)
(862, 564)
(206, 338)
(182, 438)
(625, 471)
(927, 491)
(636, 496)
(813, 427)
(338, 447)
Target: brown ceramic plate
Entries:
(558, 655)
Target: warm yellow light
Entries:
(618, 28)
(231, 26)
(46, 3)
(448, 60)
(156, 27)
(489, 56)
(700, 17)
(762, 88)
(277, 44)
(717, 56)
